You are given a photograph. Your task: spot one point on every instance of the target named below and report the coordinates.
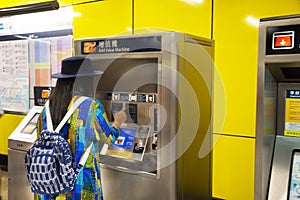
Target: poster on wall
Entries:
(292, 113)
(32, 47)
(14, 80)
(45, 59)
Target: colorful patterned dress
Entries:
(89, 123)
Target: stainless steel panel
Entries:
(18, 186)
(178, 176)
(122, 185)
(281, 166)
(19, 144)
(267, 124)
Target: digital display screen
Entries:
(131, 113)
(126, 138)
(29, 128)
(294, 178)
(124, 97)
(31, 125)
(141, 98)
(35, 118)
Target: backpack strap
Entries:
(66, 117)
(75, 105)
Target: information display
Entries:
(292, 113)
(130, 144)
(121, 45)
(31, 49)
(294, 178)
(14, 80)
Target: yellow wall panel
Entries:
(34, 1)
(103, 18)
(8, 123)
(175, 15)
(236, 56)
(80, 1)
(60, 2)
(233, 168)
(11, 3)
(64, 2)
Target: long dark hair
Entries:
(60, 98)
(63, 92)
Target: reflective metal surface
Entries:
(176, 175)
(18, 144)
(281, 166)
(270, 151)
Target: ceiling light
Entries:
(193, 2)
(252, 21)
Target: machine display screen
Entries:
(294, 178)
(131, 143)
(31, 125)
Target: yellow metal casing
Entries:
(8, 123)
(195, 68)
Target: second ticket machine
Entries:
(165, 82)
(277, 174)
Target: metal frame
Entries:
(265, 142)
(171, 181)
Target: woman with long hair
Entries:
(88, 123)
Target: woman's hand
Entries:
(120, 117)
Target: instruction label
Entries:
(292, 113)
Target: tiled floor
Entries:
(4, 184)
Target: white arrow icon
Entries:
(282, 43)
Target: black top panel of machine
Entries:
(291, 72)
(279, 18)
(283, 40)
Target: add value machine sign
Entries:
(121, 45)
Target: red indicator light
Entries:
(283, 40)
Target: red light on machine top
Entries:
(283, 40)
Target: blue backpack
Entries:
(49, 160)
